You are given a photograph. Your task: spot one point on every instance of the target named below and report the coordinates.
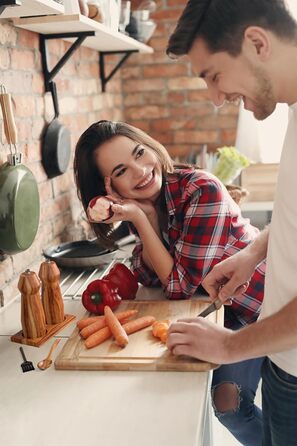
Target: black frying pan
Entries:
(84, 253)
(56, 148)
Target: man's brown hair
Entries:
(221, 24)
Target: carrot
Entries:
(82, 323)
(130, 327)
(160, 329)
(115, 327)
(158, 325)
(98, 337)
(101, 323)
(138, 324)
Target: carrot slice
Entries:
(158, 325)
(101, 323)
(160, 329)
(138, 324)
(115, 327)
(98, 337)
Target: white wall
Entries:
(262, 141)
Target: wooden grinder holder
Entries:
(35, 316)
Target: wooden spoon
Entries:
(47, 362)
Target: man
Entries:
(247, 49)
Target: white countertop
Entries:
(74, 408)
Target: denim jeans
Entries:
(244, 422)
(279, 402)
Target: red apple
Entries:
(99, 208)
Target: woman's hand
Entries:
(126, 211)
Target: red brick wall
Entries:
(81, 103)
(163, 98)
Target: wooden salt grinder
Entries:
(32, 313)
(52, 299)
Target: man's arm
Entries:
(209, 342)
(230, 277)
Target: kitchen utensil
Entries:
(19, 197)
(80, 254)
(84, 253)
(56, 147)
(32, 313)
(124, 15)
(216, 305)
(27, 366)
(47, 362)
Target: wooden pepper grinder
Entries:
(32, 313)
(51, 292)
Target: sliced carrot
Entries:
(115, 327)
(158, 325)
(98, 337)
(160, 329)
(82, 323)
(101, 323)
(138, 324)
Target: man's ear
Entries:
(256, 40)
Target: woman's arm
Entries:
(154, 252)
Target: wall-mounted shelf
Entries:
(81, 30)
(32, 8)
(104, 39)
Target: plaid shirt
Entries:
(205, 226)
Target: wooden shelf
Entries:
(33, 8)
(104, 40)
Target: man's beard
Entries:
(264, 102)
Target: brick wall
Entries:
(163, 98)
(81, 103)
(152, 92)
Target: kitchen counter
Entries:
(72, 408)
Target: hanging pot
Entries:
(56, 147)
(19, 197)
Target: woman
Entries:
(185, 222)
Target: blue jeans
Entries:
(279, 402)
(245, 420)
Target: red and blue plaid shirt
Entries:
(205, 226)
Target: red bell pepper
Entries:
(99, 293)
(124, 280)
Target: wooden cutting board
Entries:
(144, 351)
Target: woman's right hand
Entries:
(131, 212)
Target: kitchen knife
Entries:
(216, 305)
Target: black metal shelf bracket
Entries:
(105, 79)
(43, 38)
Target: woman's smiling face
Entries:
(134, 169)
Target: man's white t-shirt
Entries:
(281, 272)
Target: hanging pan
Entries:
(56, 147)
(19, 198)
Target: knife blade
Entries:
(215, 305)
